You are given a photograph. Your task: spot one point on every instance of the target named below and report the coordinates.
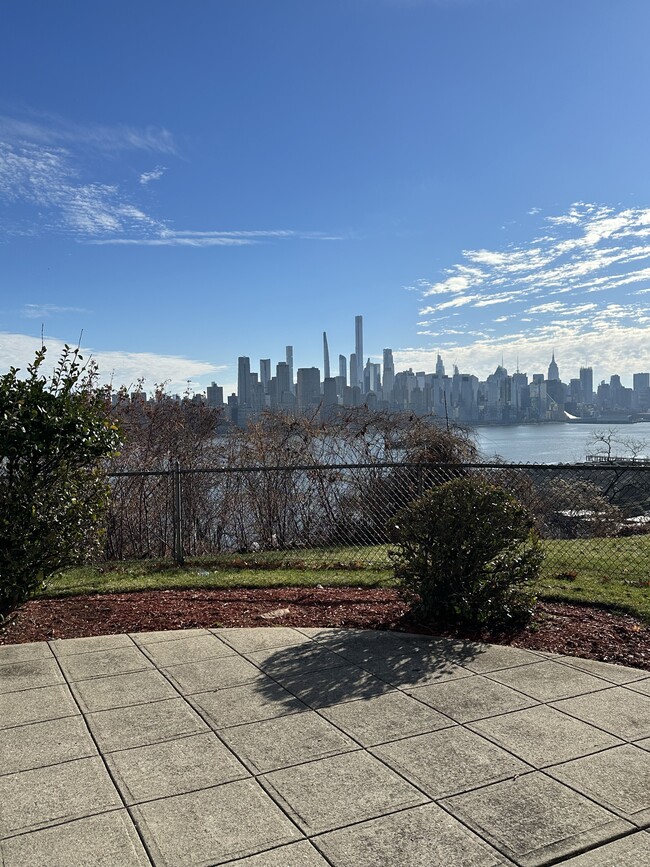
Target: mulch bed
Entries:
(559, 627)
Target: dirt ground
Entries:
(558, 627)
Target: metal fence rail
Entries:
(339, 515)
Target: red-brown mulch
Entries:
(559, 627)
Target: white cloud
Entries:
(154, 175)
(44, 311)
(587, 256)
(49, 129)
(120, 368)
(45, 165)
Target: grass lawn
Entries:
(611, 572)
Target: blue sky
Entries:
(187, 183)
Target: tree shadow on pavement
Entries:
(341, 665)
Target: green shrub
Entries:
(464, 555)
(54, 433)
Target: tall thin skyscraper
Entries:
(354, 373)
(358, 350)
(326, 357)
(265, 372)
(244, 380)
(389, 373)
(289, 358)
(343, 368)
(587, 384)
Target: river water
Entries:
(552, 443)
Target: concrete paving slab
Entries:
(23, 652)
(103, 663)
(613, 673)
(300, 659)
(213, 826)
(373, 721)
(333, 685)
(146, 638)
(329, 793)
(260, 637)
(492, 657)
(289, 740)
(414, 671)
(142, 724)
(259, 700)
(107, 840)
(620, 711)
(58, 793)
(448, 705)
(420, 837)
(44, 743)
(549, 680)
(465, 700)
(210, 674)
(192, 649)
(642, 686)
(535, 820)
(294, 855)
(543, 736)
(618, 779)
(449, 761)
(29, 674)
(631, 851)
(173, 768)
(122, 690)
(36, 705)
(71, 646)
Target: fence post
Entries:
(178, 514)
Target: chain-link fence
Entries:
(339, 516)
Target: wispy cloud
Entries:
(119, 368)
(49, 184)
(154, 175)
(45, 311)
(585, 270)
(50, 129)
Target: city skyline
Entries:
(185, 185)
(460, 396)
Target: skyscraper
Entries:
(289, 358)
(440, 367)
(343, 368)
(389, 374)
(308, 387)
(326, 357)
(354, 373)
(553, 371)
(265, 372)
(587, 384)
(244, 380)
(358, 350)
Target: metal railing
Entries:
(339, 515)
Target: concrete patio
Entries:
(279, 747)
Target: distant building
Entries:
(358, 350)
(326, 357)
(243, 381)
(587, 384)
(308, 388)
(214, 394)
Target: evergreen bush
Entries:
(465, 555)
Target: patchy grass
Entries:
(613, 573)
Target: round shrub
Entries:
(465, 554)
